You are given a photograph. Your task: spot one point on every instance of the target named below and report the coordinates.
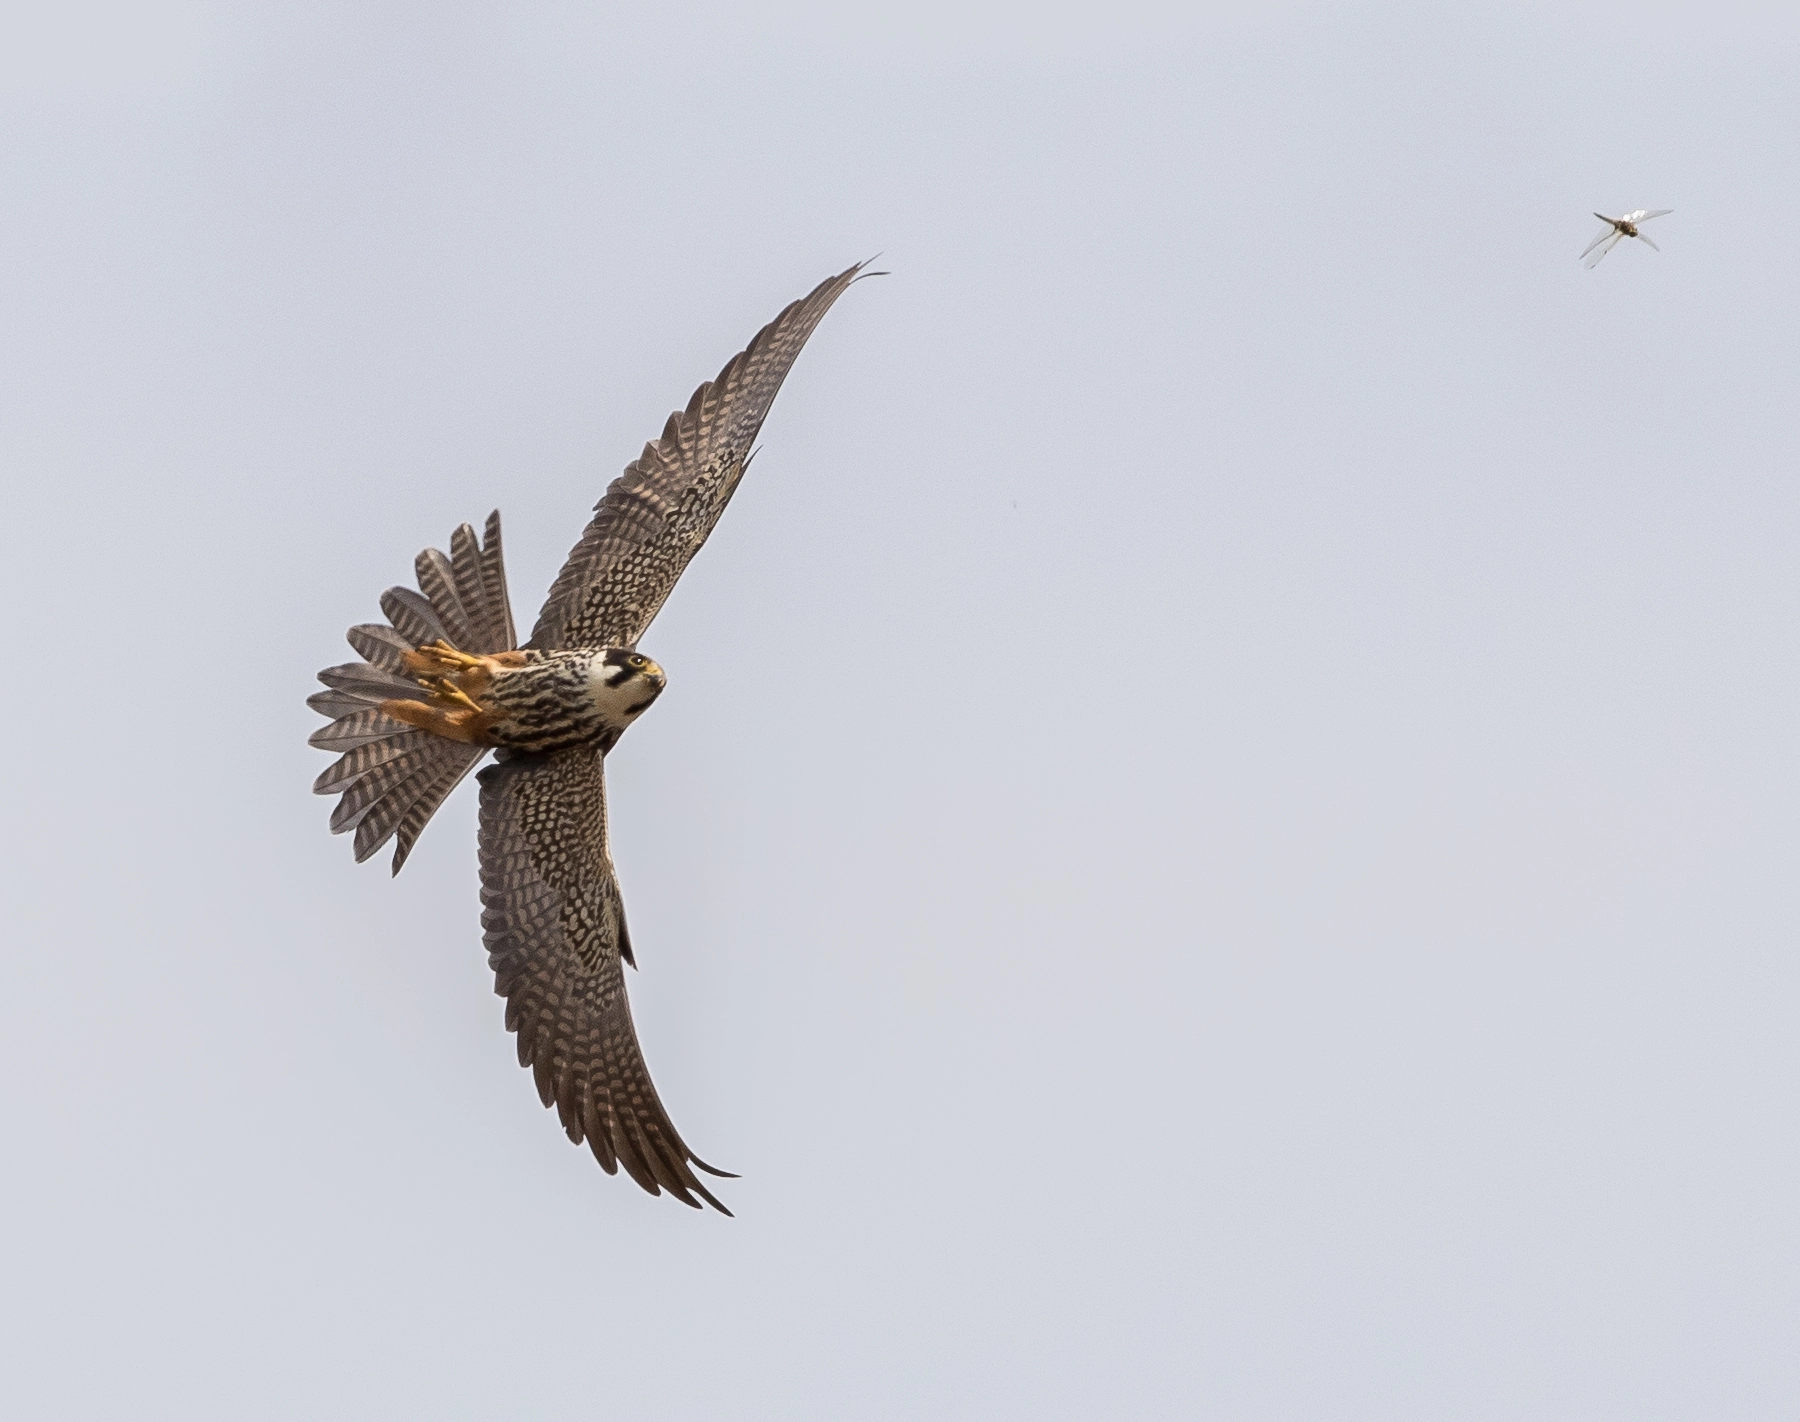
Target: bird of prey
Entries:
(444, 682)
(1617, 228)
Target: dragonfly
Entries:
(1617, 228)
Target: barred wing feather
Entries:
(555, 931)
(655, 516)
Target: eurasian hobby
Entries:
(445, 682)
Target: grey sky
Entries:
(1221, 842)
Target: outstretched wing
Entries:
(555, 931)
(1608, 242)
(1608, 232)
(655, 515)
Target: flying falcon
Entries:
(445, 682)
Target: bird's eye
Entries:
(636, 660)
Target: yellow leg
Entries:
(438, 658)
(468, 727)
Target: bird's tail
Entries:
(392, 777)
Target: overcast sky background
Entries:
(1222, 839)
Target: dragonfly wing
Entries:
(1648, 243)
(1608, 233)
(1646, 216)
(1601, 248)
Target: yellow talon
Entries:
(450, 691)
(448, 653)
(438, 656)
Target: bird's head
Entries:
(623, 683)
